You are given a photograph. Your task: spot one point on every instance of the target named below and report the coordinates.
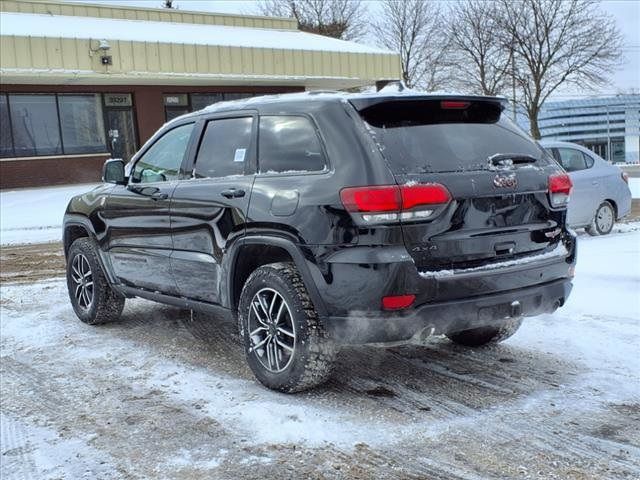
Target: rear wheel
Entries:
(489, 334)
(92, 298)
(603, 220)
(284, 340)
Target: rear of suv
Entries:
(322, 220)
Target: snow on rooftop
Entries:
(40, 25)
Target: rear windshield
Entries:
(423, 137)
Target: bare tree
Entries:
(556, 43)
(167, 4)
(414, 28)
(344, 19)
(483, 61)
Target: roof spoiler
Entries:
(364, 102)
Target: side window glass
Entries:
(289, 144)
(224, 148)
(589, 160)
(161, 163)
(572, 160)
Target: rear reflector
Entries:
(454, 105)
(397, 302)
(559, 189)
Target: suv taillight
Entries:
(392, 203)
(625, 177)
(559, 189)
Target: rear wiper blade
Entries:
(506, 159)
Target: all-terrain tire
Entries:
(106, 305)
(487, 335)
(599, 227)
(314, 353)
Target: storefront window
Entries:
(34, 121)
(6, 143)
(237, 96)
(82, 124)
(64, 124)
(176, 104)
(202, 100)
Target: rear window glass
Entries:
(422, 137)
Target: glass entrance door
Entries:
(121, 133)
(121, 130)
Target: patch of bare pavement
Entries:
(27, 263)
(166, 394)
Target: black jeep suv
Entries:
(320, 220)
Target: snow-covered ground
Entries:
(34, 215)
(164, 394)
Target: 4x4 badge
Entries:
(505, 181)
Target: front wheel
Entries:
(487, 335)
(284, 340)
(92, 298)
(603, 220)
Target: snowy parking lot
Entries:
(164, 394)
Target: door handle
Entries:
(152, 192)
(594, 183)
(159, 196)
(232, 193)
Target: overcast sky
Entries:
(625, 12)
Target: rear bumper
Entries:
(623, 204)
(355, 281)
(446, 317)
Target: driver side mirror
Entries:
(113, 171)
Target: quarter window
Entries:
(289, 144)
(224, 148)
(161, 162)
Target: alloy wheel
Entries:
(82, 279)
(272, 333)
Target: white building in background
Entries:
(608, 126)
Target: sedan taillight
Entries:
(560, 186)
(392, 203)
(625, 177)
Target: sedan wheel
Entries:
(603, 220)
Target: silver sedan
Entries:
(600, 194)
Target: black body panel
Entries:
(138, 235)
(203, 223)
